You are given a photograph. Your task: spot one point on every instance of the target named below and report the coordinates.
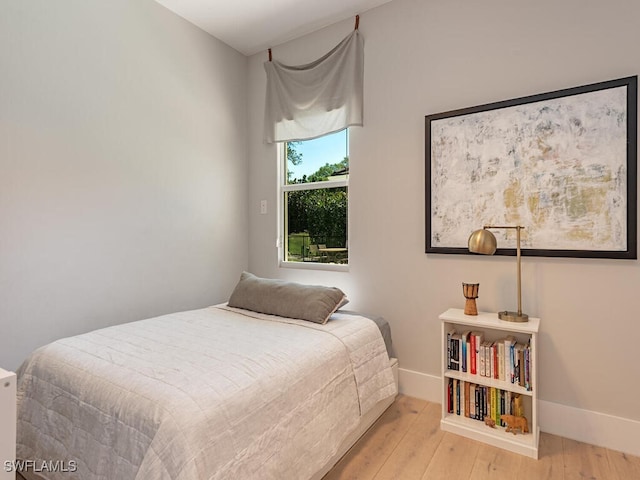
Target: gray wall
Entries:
(425, 57)
(123, 168)
(124, 174)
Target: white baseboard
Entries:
(615, 433)
(420, 385)
(595, 428)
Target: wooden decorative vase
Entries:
(470, 292)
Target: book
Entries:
(519, 358)
(527, 363)
(485, 362)
(453, 395)
(467, 390)
(472, 354)
(475, 400)
(455, 352)
(486, 412)
(485, 402)
(494, 405)
(450, 332)
(507, 403)
(487, 359)
(509, 341)
(476, 340)
(500, 359)
(464, 357)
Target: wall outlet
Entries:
(263, 207)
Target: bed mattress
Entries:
(206, 394)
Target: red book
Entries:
(472, 347)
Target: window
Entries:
(314, 189)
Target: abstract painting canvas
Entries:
(561, 164)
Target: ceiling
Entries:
(251, 26)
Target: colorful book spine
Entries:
(479, 402)
(500, 360)
(467, 391)
(487, 358)
(450, 333)
(472, 350)
(527, 366)
(455, 352)
(464, 345)
(494, 405)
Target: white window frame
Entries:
(281, 242)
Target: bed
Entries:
(215, 393)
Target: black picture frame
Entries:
(595, 122)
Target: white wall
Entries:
(424, 57)
(123, 168)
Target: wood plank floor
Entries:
(406, 443)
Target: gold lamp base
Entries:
(513, 316)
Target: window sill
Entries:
(315, 266)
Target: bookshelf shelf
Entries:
(494, 331)
(489, 382)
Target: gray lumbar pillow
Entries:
(314, 303)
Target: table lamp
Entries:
(484, 242)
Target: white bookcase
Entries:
(493, 329)
(7, 422)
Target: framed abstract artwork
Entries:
(562, 164)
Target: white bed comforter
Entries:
(217, 393)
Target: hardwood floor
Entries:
(406, 443)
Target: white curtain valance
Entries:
(325, 96)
